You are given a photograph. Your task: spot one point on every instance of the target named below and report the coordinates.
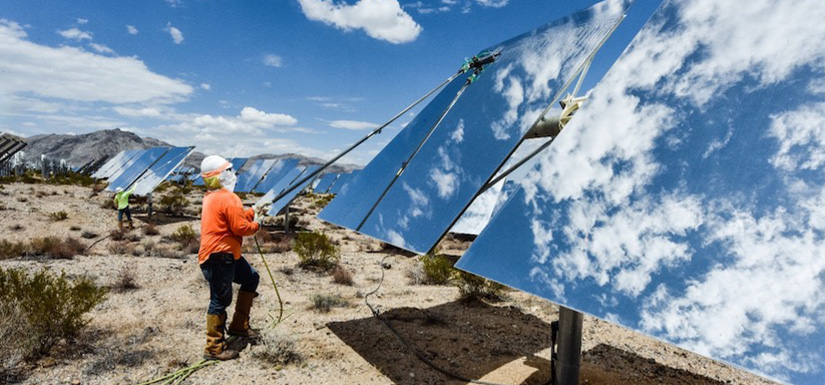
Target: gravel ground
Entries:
(140, 334)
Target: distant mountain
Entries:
(80, 149)
(306, 160)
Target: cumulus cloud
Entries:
(750, 291)
(177, 35)
(73, 74)
(131, 29)
(801, 135)
(82, 20)
(206, 86)
(379, 19)
(478, 214)
(101, 48)
(75, 34)
(272, 60)
(352, 124)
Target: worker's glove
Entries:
(260, 212)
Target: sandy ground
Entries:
(140, 334)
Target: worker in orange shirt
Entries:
(224, 223)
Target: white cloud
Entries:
(101, 48)
(352, 125)
(380, 19)
(131, 29)
(174, 3)
(492, 3)
(144, 112)
(260, 118)
(478, 214)
(206, 86)
(272, 60)
(177, 35)
(802, 129)
(73, 74)
(75, 34)
(765, 275)
(82, 21)
(445, 182)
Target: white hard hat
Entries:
(119, 189)
(211, 164)
(214, 172)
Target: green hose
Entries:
(177, 377)
(274, 286)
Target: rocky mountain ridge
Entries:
(80, 149)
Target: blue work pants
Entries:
(221, 270)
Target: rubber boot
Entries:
(215, 343)
(131, 225)
(120, 226)
(240, 320)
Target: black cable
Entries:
(412, 348)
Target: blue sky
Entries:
(241, 78)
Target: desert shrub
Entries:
(9, 249)
(184, 234)
(125, 281)
(471, 286)
(174, 203)
(316, 252)
(320, 201)
(66, 249)
(133, 237)
(14, 332)
(16, 227)
(75, 228)
(325, 302)
(52, 305)
(117, 235)
(150, 229)
(342, 276)
(58, 216)
(276, 348)
(120, 248)
(108, 204)
(433, 269)
(52, 247)
(88, 235)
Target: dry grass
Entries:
(51, 247)
(125, 281)
(117, 235)
(121, 248)
(276, 349)
(150, 229)
(342, 276)
(59, 216)
(325, 302)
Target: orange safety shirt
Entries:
(224, 223)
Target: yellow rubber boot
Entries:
(215, 343)
(240, 320)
